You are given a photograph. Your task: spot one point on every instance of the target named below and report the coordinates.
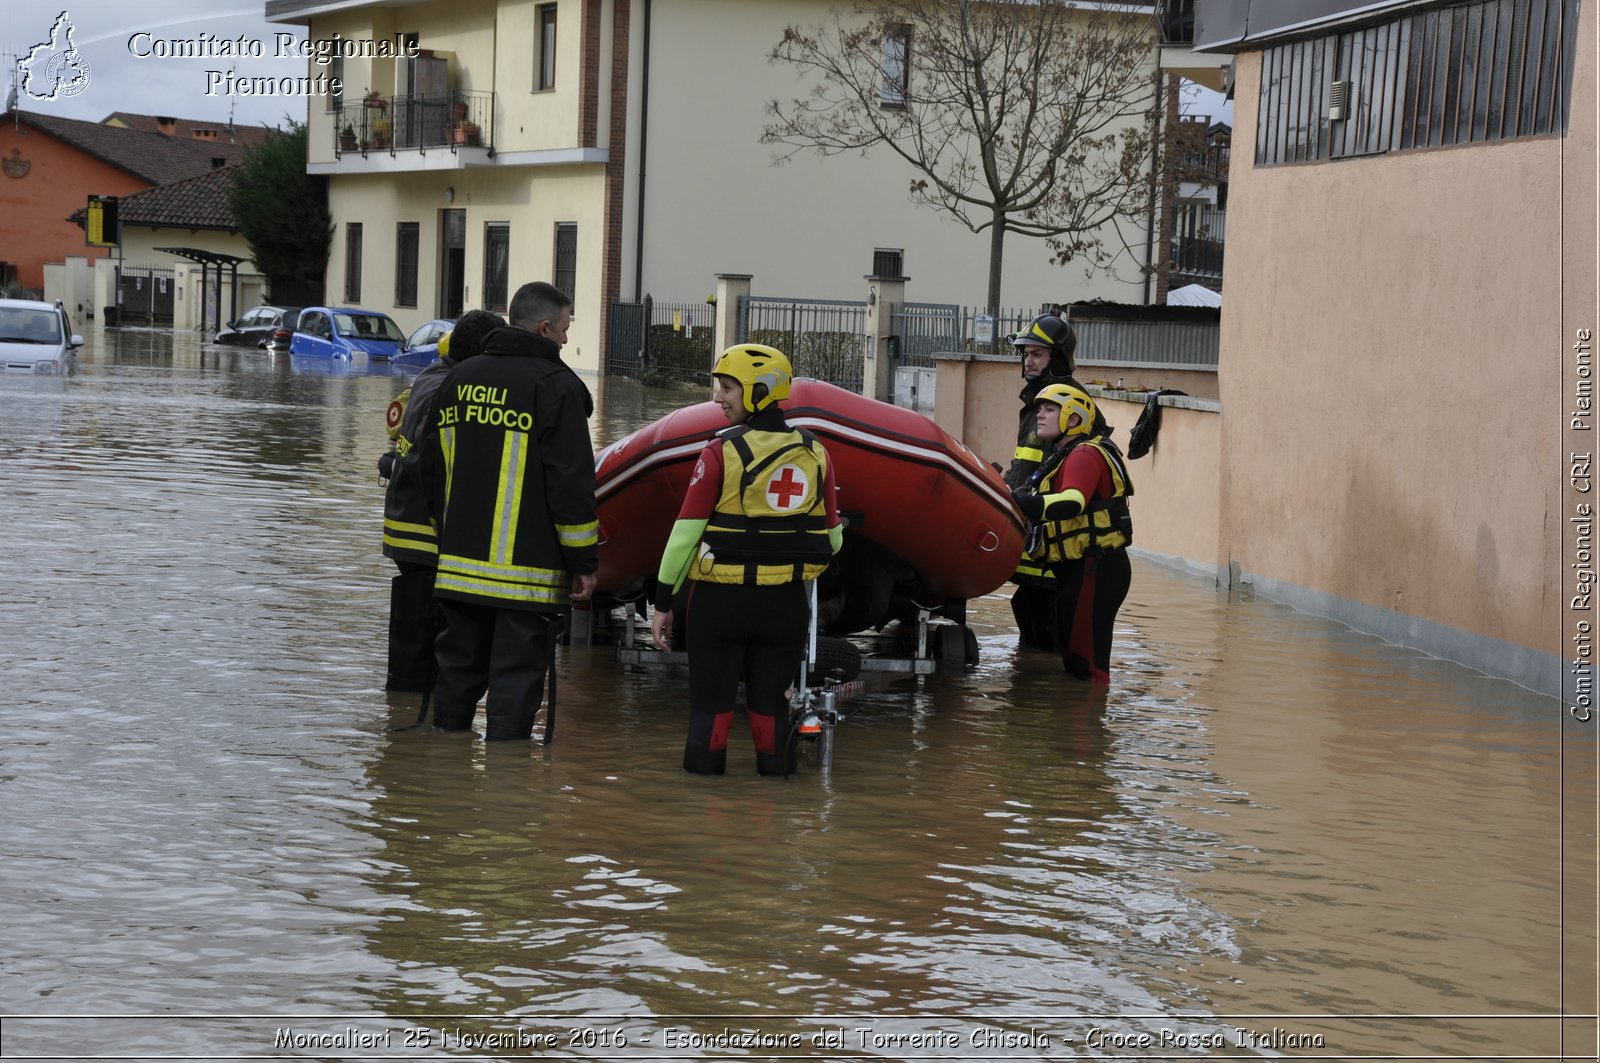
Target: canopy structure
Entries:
(207, 259)
(1194, 295)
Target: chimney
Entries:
(166, 126)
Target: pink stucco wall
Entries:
(1393, 378)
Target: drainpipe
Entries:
(1157, 134)
(644, 129)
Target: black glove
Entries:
(1030, 502)
(386, 465)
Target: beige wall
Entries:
(1359, 459)
(530, 201)
(1176, 505)
(1393, 374)
(716, 203)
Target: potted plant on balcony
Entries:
(347, 138)
(372, 101)
(379, 128)
(466, 133)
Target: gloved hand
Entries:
(1030, 502)
(386, 464)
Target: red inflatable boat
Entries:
(930, 524)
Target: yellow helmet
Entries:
(444, 344)
(755, 363)
(1071, 401)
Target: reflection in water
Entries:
(1268, 816)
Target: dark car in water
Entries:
(266, 327)
(422, 347)
(346, 332)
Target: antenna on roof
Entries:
(15, 63)
(233, 101)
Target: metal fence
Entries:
(1189, 345)
(825, 339)
(923, 329)
(661, 342)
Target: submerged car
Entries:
(260, 326)
(346, 332)
(37, 337)
(422, 346)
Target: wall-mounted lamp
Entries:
(450, 194)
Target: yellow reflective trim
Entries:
(1027, 453)
(508, 496)
(423, 546)
(511, 592)
(403, 526)
(579, 534)
(506, 573)
(447, 444)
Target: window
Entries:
(1471, 73)
(566, 271)
(496, 261)
(352, 262)
(547, 48)
(336, 75)
(896, 66)
(405, 264)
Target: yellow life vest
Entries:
(770, 522)
(1105, 523)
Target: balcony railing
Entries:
(393, 124)
(1176, 18)
(1197, 258)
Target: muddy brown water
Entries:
(1274, 836)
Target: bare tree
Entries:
(1019, 116)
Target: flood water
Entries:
(1273, 836)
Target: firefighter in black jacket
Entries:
(513, 486)
(410, 538)
(1046, 346)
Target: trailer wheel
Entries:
(835, 655)
(956, 644)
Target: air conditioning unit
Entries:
(1341, 99)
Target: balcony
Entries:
(1176, 19)
(1196, 260)
(409, 129)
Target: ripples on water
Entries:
(208, 814)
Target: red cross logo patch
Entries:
(788, 487)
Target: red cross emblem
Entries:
(788, 485)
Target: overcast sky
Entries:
(120, 81)
(108, 33)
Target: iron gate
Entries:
(825, 339)
(146, 294)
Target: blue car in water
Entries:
(422, 347)
(346, 332)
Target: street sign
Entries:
(100, 228)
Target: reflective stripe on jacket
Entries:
(409, 531)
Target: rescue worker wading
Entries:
(513, 485)
(410, 535)
(1046, 346)
(1079, 499)
(759, 519)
